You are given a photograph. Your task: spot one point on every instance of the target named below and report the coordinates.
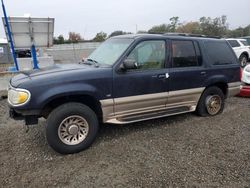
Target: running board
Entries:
(151, 115)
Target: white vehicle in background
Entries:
(246, 75)
(247, 38)
(245, 78)
(241, 49)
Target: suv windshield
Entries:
(109, 51)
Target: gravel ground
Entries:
(179, 151)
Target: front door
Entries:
(144, 88)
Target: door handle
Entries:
(163, 76)
(203, 73)
(167, 75)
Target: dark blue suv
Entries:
(127, 79)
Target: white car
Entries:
(241, 49)
(246, 75)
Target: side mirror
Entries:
(129, 64)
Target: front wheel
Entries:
(71, 128)
(211, 102)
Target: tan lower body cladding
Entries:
(233, 89)
(115, 109)
(142, 107)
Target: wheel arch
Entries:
(220, 81)
(86, 99)
(245, 53)
(222, 85)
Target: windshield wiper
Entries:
(90, 62)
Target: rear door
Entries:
(187, 74)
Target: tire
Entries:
(243, 60)
(71, 128)
(211, 102)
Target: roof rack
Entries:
(191, 35)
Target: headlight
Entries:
(18, 97)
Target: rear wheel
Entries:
(243, 60)
(71, 128)
(211, 102)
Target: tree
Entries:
(74, 37)
(214, 27)
(247, 30)
(116, 33)
(163, 28)
(59, 40)
(190, 27)
(174, 22)
(239, 32)
(100, 37)
(141, 32)
(55, 41)
(166, 28)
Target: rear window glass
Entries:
(244, 42)
(248, 41)
(220, 53)
(234, 43)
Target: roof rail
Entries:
(191, 35)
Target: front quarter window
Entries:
(109, 51)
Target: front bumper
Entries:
(29, 119)
(14, 115)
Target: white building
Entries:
(3, 41)
(5, 55)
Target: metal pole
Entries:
(33, 52)
(10, 36)
(33, 47)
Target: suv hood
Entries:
(53, 71)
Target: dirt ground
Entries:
(178, 151)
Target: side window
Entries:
(220, 53)
(149, 55)
(248, 41)
(183, 54)
(244, 42)
(234, 43)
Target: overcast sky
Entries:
(91, 16)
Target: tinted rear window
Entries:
(184, 54)
(220, 53)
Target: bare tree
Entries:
(75, 37)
